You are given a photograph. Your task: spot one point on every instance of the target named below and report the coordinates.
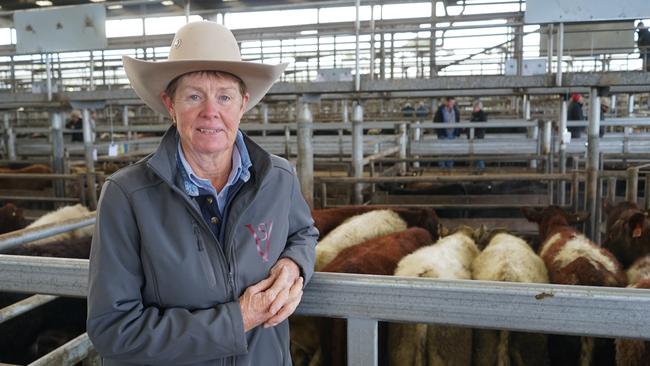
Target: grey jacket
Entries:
(164, 291)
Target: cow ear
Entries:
(635, 224)
(578, 217)
(532, 214)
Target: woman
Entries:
(201, 250)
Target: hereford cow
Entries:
(356, 230)
(327, 219)
(639, 271)
(378, 256)
(32, 335)
(573, 259)
(628, 232)
(62, 214)
(510, 259)
(635, 352)
(11, 218)
(33, 184)
(449, 258)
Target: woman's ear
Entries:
(169, 104)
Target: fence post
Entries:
(58, 161)
(593, 163)
(632, 186)
(357, 151)
(305, 163)
(362, 342)
(88, 134)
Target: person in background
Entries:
(447, 113)
(407, 110)
(575, 113)
(201, 250)
(421, 111)
(478, 115)
(643, 42)
(75, 122)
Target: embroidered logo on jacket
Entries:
(264, 238)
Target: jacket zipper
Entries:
(204, 258)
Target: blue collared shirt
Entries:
(195, 186)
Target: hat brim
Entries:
(150, 78)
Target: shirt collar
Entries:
(240, 169)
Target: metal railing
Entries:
(365, 299)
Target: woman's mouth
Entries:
(208, 131)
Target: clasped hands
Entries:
(273, 299)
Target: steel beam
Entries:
(593, 164)
(305, 162)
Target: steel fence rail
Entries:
(68, 354)
(23, 306)
(14, 238)
(575, 310)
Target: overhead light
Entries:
(114, 7)
(97, 1)
(167, 2)
(44, 3)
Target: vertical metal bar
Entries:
(612, 108)
(549, 48)
(646, 193)
(264, 110)
(48, 72)
(632, 186)
(58, 163)
(362, 342)
(187, 11)
(10, 136)
(403, 144)
(593, 151)
(611, 190)
(357, 151)
(560, 50)
(372, 42)
(562, 129)
(306, 154)
(323, 192)
(630, 105)
(345, 111)
(433, 69)
(575, 189)
(357, 67)
(417, 136)
(90, 158)
(125, 121)
(92, 71)
(287, 142)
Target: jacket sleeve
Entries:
(302, 236)
(121, 326)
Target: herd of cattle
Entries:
(403, 242)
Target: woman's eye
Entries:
(194, 97)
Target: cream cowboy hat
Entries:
(199, 46)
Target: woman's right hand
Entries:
(255, 303)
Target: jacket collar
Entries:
(163, 160)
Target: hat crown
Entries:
(204, 41)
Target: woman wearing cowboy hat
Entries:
(201, 250)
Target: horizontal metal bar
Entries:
(39, 198)
(67, 355)
(575, 310)
(37, 176)
(14, 238)
(52, 276)
(23, 306)
(447, 178)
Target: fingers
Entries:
(293, 300)
(281, 283)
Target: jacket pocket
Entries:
(204, 258)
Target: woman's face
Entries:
(207, 109)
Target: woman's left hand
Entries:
(288, 288)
